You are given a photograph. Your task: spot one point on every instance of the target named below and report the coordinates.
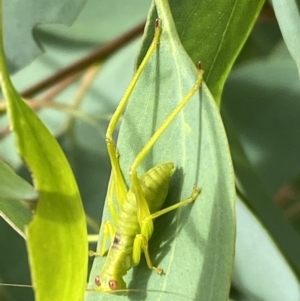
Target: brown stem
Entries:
(78, 66)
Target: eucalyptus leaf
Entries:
(258, 262)
(58, 227)
(13, 186)
(15, 214)
(110, 18)
(13, 189)
(195, 244)
(256, 149)
(20, 18)
(288, 16)
(213, 32)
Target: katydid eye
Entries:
(113, 285)
(97, 281)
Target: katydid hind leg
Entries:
(117, 180)
(110, 194)
(121, 190)
(118, 186)
(144, 216)
(149, 145)
(108, 229)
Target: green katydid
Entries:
(138, 208)
(142, 203)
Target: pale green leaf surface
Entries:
(19, 19)
(12, 189)
(288, 16)
(194, 245)
(213, 32)
(261, 272)
(56, 237)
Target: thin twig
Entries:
(100, 53)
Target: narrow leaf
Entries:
(13, 186)
(213, 32)
(15, 214)
(13, 189)
(56, 237)
(194, 245)
(288, 16)
(258, 262)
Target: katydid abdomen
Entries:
(154, 185)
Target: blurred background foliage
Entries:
(260, 110)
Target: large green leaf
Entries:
(213, 32)
(194, 245)
(56, 237)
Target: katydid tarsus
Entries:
(132, 227)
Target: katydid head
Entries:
(108, 283)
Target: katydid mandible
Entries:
(133, 226)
